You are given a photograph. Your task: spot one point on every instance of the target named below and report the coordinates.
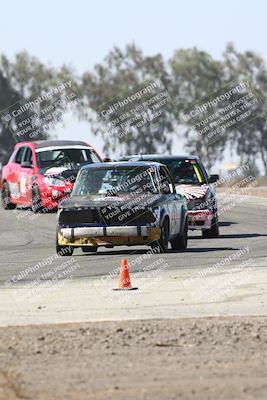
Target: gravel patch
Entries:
(204, 358)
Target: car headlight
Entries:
(50, 181)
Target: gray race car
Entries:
(122, 203)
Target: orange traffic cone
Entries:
(125, 280)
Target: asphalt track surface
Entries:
(26, 239)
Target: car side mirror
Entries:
(107, 159)
(26, 164)
(213, 178)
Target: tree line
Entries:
(187, 77)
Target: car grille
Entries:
(76, 217)
(105, 216)
(127, 216)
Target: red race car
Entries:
(40, 174)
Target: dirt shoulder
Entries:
(208, 358)
(260, 191)
(254, 191)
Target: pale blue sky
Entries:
(82, 32)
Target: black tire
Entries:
(213, 232)
(5, 196)
(163, 242)
(89, 249)
(180, 241)
(37, 206)
(64, 251)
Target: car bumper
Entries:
(200, 219)
(107, 236)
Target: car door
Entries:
(14, 175)
(173, 202)
(26, 173)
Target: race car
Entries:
(122, 203)
(40, 174)
(192, 180)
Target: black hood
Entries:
(97, 201)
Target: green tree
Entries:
(121, 74)
(195, 75)
(250, 140)
(23, 80)
(8, 95)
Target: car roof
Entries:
(122, 164)
(50, 143)
(152, 157)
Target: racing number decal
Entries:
(14, 190)
(23, 183)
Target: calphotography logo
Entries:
(30, 119)
(134, 111)
(224, 111)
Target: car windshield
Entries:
(115, 180)
(66, 157)
(184, 171)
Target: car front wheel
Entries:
(180, 241)
(64, 250)
(162, 244)
(213, 232)
(37, 205)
